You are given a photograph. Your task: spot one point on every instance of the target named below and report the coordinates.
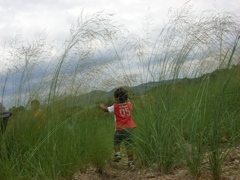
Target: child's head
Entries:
(121, 95)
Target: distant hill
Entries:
(142, 88)
(90, 98)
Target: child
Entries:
(122, 110)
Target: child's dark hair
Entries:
(121, 94)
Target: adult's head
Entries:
(35, 104)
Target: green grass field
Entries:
(177, 124)
(191, 119)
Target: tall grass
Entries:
(190, 134)
(179, 123)
(189, 120)
(59, 151)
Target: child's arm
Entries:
(103, 107)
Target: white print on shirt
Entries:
(124, 112)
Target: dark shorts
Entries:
(125, 135)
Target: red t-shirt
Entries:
(122, 115)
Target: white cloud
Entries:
(32, 16)
(57, 16)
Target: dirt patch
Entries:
(120, 171)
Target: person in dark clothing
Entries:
(4, 115)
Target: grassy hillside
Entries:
(177, 124)
(92, 98)
(189, 119)
(188, 123)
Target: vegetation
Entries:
(185, 121)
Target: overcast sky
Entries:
(57, 16)
(29, 17)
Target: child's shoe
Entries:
(131, 164)
(117, 157)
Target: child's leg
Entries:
(130, 153)
(117, 149)
(129, 147)
(117, 142)
(117, 156)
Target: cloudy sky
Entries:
(56, 16)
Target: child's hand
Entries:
(103, 107)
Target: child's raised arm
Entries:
(103, 107)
